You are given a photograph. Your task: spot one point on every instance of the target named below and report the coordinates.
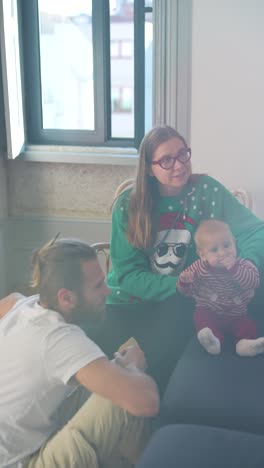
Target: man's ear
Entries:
(67, 299)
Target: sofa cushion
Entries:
(184, 446)
(223, 391)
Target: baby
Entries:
(222, 285)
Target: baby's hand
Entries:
(228, 262)
(187, 276)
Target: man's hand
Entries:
(131, 357)
(187, 276)
(228, 262)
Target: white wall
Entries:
(25, 234)
(3, 213)
(227, 127)
(3, 200)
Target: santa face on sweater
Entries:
(170, 251)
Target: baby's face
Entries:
(214, 248)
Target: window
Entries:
(11, 73)
(87, 79)
(84, 63)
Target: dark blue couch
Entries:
(188, 446)
(223, 391)
(212, 412)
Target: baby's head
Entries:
(214, 242)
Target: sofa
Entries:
(189, 446)
(212, 411)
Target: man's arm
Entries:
(68, 352)
(8, 302)
(126, 387)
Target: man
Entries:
(43, 358)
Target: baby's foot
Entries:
(209, 341)
(246, 347)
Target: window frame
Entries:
(171, 105)
(11, 80)
(101, 136)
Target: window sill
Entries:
(80, 155)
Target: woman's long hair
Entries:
(142, 207)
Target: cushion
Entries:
(223, 391)
(184, 446)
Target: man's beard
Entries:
(85, 312)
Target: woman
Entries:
(153, 225)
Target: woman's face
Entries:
(170, 181)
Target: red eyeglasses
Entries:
(167, 162)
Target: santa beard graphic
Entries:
(170, 251)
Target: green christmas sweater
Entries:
(142, 275)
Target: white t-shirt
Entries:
(39, 353)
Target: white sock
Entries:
(246, 347)
(209, 341)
